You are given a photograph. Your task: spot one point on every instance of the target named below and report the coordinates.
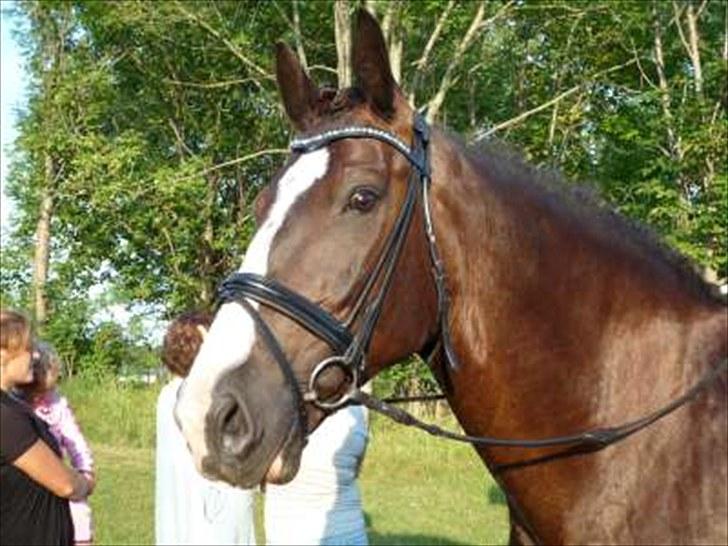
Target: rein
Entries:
(591, 440)
(350, 348)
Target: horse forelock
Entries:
(332, 101)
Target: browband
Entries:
(309, 144)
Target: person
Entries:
(48, 404)
(190, 509)
(322, 504)
(36, 484)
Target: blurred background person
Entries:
(322, 504)
(47, 403)
(190, 509)
(36, 484)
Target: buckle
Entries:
(330, 405)
(421, 127)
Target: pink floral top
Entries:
(55, 410)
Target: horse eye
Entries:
(363, 199)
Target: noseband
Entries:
(349, 347)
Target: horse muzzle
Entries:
(251, 440)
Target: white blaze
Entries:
(232, 334)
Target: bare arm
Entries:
(45, 467)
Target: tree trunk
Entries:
(208, 238)
(396, 48)
(43, 243)
(342, 31)
(673, 142)
(421, 63)
(435, 103)
(692, 44)
(370, 6)
(393, 36)
(53, 58)
(695, 49)
(297, 34)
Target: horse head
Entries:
(325, 222)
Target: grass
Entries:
(416, 489)
(123, 503)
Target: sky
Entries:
(12, 96)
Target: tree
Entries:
(150, 131)
(52, 29)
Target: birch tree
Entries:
(141, 152)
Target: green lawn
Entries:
(416, 489)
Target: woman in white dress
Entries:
(189, 509)
(322, 505)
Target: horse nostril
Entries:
(234, 427)
(231, 419)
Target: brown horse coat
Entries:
(564, 318)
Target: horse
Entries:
(542, 311)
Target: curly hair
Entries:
(183, 340)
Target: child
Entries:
(54, 409)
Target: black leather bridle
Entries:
(350, 347)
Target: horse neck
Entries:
(558, 323)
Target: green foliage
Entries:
(14, 273)
(406, 378)
(151, 117)
(113, 413)
(66, 331)
(107, 352)
(102, 351)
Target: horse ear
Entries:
(297, 90)
(372, 72)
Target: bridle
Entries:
(350, 347)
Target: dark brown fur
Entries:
(576, 321)
(564, 317)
